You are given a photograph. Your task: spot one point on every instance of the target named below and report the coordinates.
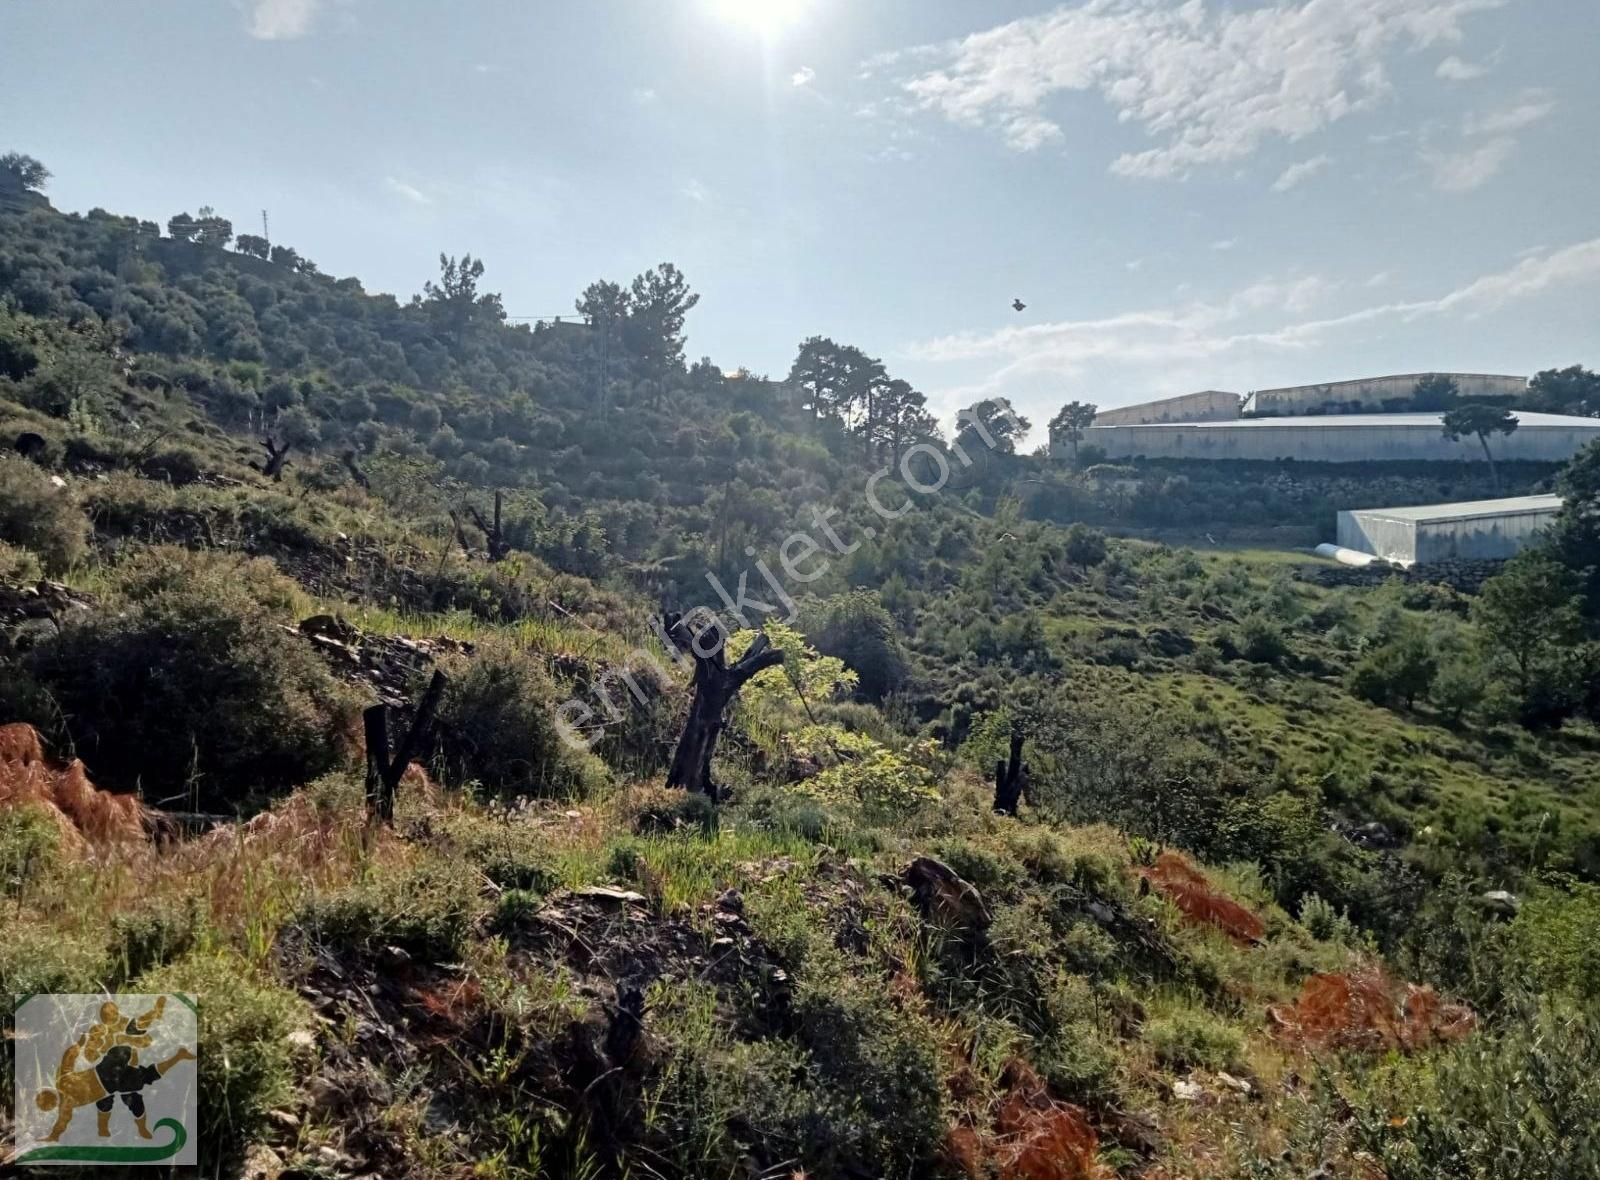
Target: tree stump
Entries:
(1010, 776)
(715, 683)
(384, 772)
(495, 537)
(277, 457)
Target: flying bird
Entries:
(1017, 305)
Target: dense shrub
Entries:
(29, 845)
(37, 959)
(39, 516)
(857, 629)
(499, 722)
(185, 687)
(245, 1064)
(1188, 1037)
(1517, 1105)
(1400, 670)
(19, 565)
(425, 911)
(157, 933)
(878, 1075)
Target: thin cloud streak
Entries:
(1162, 336)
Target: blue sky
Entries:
(1187, 195)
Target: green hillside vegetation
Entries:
(1250, 784)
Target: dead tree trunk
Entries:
(383, 772)
(360, 476)
(1010, 776)
(494, 538)
(715, 684)
(277, 457)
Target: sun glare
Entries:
(769, 18)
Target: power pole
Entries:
(265, 233)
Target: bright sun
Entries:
(769, 18)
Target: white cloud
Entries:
(1225, 244)
(1296, 173)
(695, 191)
(802, 76)
(645, 96)
(1531, 107)
(409, 191)
(1163, 341)
(281, 20)
(1454, 69)
(1488, 141)
(1470, 168)
(1209, 84)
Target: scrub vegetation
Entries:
(1304, 878)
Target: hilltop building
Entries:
(1343, 438)
(1375, 393)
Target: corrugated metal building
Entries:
(1344, 438)
(1210, 405)
(1472, 530)
(1375, 393)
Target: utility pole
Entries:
(265, 233)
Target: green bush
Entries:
(1261, 639)
(777, 810)
(1515, 1103)
(40, 517)
(245, 1063)
(879, 1088)
(676, 810)
(39, 959)
(184, 687)
(19, 566)
(1400, 670)
(512, 854)
(1188, 1037)
(499, 730)
(857, 629)
(427, 912)
(513, 909)
(29, 845)
(1323, 922)
(1557, 939)
(146, 938)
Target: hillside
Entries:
(1303, 880)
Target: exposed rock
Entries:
(1233, 1083)
(1187, 1091)
(1373, 836)
(33, 613)
(1500, 901)
(606, 893)
(944, 896)
(261, 1163)
(285, 1120)
(389, 664)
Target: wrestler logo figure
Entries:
(105, 1052)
